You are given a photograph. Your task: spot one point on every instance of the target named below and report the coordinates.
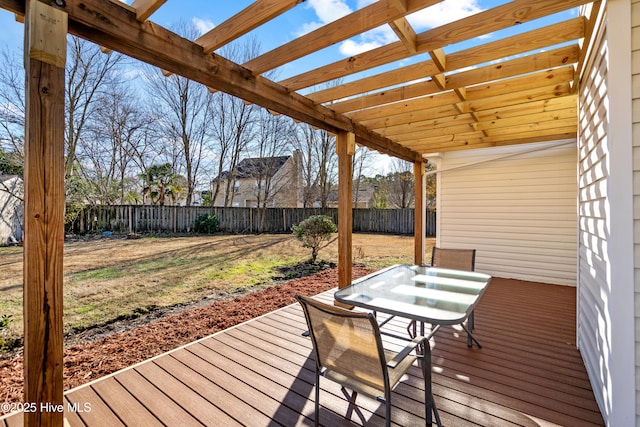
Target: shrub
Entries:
(5, 321)
(315, 233)
(206, 223)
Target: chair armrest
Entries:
(399, 357)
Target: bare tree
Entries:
(89, 71)
(401, 184)
(327, 165)
(117, 136)
(232, 127)
(12, 106)
(305, 141)
(361, 162)
(184, 116)
(185, 104)
(272, 148)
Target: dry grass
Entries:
(108, 278)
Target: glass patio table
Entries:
(438, 296)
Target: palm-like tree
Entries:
(160, 182)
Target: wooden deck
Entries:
(260, 373)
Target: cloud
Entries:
(367, 41)
(326, 11)
(203, 25)
(330, 10)
(308, 27)
(436, 15)
(443, 13)
(351, 48)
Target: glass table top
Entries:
(427, 294)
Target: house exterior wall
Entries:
(11, 210)
(286, 185)
(516, 206)
(606, 334)
(635, 136)
(285, 189)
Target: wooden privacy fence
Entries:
(180, 219)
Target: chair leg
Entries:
(351, 398)
(387, 400)
(412, 329)
(430, 409)
(470, 338)
(317, 407)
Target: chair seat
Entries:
(369, 389)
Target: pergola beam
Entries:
(516, 90)
(145, 8)
(491, 111)
(244, 21)
(503, 70)
(405, 33)
(563, 32)
(118, 29)
(367, 18)
(431, 40)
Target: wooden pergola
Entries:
(514, 90)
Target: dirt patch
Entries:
(114, 350)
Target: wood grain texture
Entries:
(145, 8)
(256, 14)
(345, 145)
(367, 18)
(43, 237)
(420, 197)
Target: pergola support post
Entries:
(345, 146)
(45, 57)
(420, 214)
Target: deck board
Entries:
(120, 400)
(155, 401)
(261, 373)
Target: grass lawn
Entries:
(112, 277)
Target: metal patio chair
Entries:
(458, 259)
(348, 350)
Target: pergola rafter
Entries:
(367, 18)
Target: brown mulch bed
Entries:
(90, 360)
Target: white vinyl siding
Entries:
(516, 206)
(591, 310)
(605, 309)
(635, 63)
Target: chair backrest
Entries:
(458, 259)
(346, 342)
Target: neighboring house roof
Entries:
(257, 167)
(365, 192)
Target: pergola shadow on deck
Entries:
(261, 373)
